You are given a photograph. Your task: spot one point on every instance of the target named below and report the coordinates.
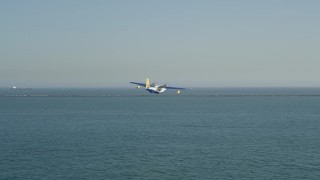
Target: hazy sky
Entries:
(64, 43)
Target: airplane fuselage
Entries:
(156, 89)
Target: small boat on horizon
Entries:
(16, 88)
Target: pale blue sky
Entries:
(64, 43)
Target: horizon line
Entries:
(128, 87)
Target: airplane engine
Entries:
(138, 87)
(178, 91)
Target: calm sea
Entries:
(244, 133)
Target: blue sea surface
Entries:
(221, 133)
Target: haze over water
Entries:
(185, 136)
(184, 43)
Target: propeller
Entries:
(165, 85)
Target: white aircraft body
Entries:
(153, 88)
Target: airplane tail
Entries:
(147, 83)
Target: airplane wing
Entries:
(179, 88)
(140, 84)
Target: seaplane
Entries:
(156, 89)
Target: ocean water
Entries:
(259, 133)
